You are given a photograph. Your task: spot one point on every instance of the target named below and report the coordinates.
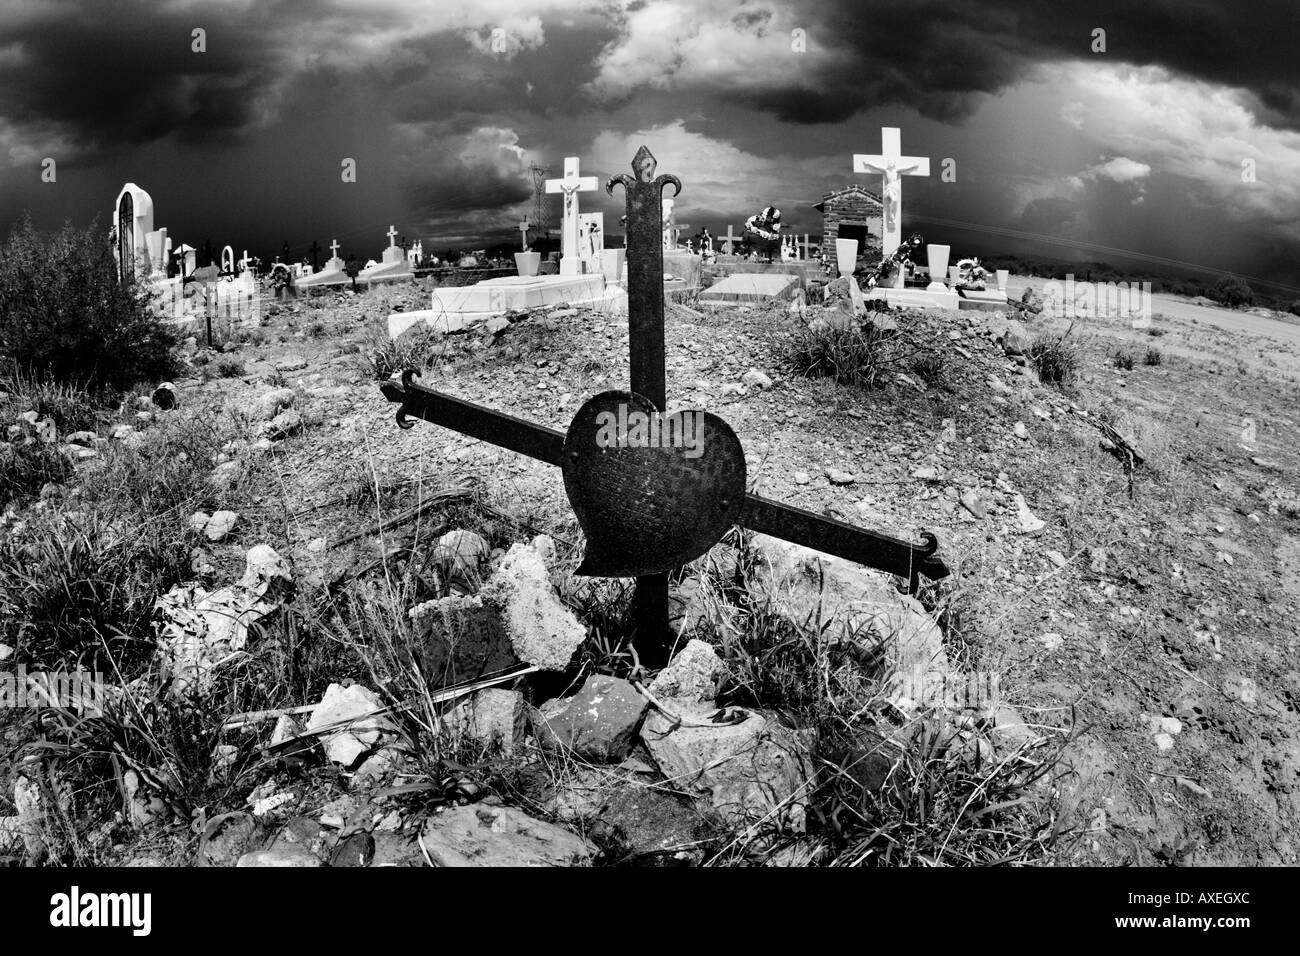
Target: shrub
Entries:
(1056, 358)
(1123, 359)
(65, 317)
(851, 354)
(1153, 357)
(1232, 291)
(229, 368)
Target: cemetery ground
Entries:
(1139, 616)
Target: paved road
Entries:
(1180, 309)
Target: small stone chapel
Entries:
(851, 213)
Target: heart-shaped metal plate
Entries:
(651, 491)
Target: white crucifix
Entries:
(523, 234)
(891, 165)
(570, 186)
(392, 237)
(334, 248)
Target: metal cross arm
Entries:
(871, 548)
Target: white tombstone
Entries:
(394, 252)
(132, 221)
(227, 260)
(335, 264)
(591, 240)
(1002, 276)
(937, 258)
(846, 255)
(890, 165)
(156, 245)
(570, 186)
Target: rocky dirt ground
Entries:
(1146, 618)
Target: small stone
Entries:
(926, 473)
(1057, 558)
(1051, 641)
(756, 379)
(1029, 522)
(289, 855)
(316, 545)
(692, 674)
(802, 478)
(837, 477)
(970, 500)
(290, 363)
(220, 525)
(198, 521)
(490, 836)
(1020, 431)
(465, 553)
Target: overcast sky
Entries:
(1057, 150)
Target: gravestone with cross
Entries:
(891, 165)
(647, 502)
(570, 186)
(523, 234)
(729, 241)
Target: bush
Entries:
(1123, 359)
(1153, 357)
(1294, 307)
(1055, 358)
(852, 354)
(1232, 291)
(65, 317)
(229, 368)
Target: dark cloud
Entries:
(938, 55)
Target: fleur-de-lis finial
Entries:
(643, 168)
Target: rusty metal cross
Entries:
(654, 483)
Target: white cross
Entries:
(570, 186)
(890, 164)
(730, 239)
(392, 236)
(523, 232)
(334, 248)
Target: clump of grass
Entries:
(1123, 359)
(929, 367)
(26, 467)
(851, 354)
(1153, 356)
(416, 349)
(229, 368)
(79, 585)
(1055, 358)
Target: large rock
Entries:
(599, 722)
(541, 629)
(645, 822)
(752, 770)
(270, 404)
(346, 745)
(811, 588)
(693, 674)
(492, 716)
(1013, 337)
(460, 638)
(500, 836)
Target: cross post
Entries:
(392, 237)
(652, 635)
(334, 248)
(730, 240)
(315, 254)
(523, 234)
